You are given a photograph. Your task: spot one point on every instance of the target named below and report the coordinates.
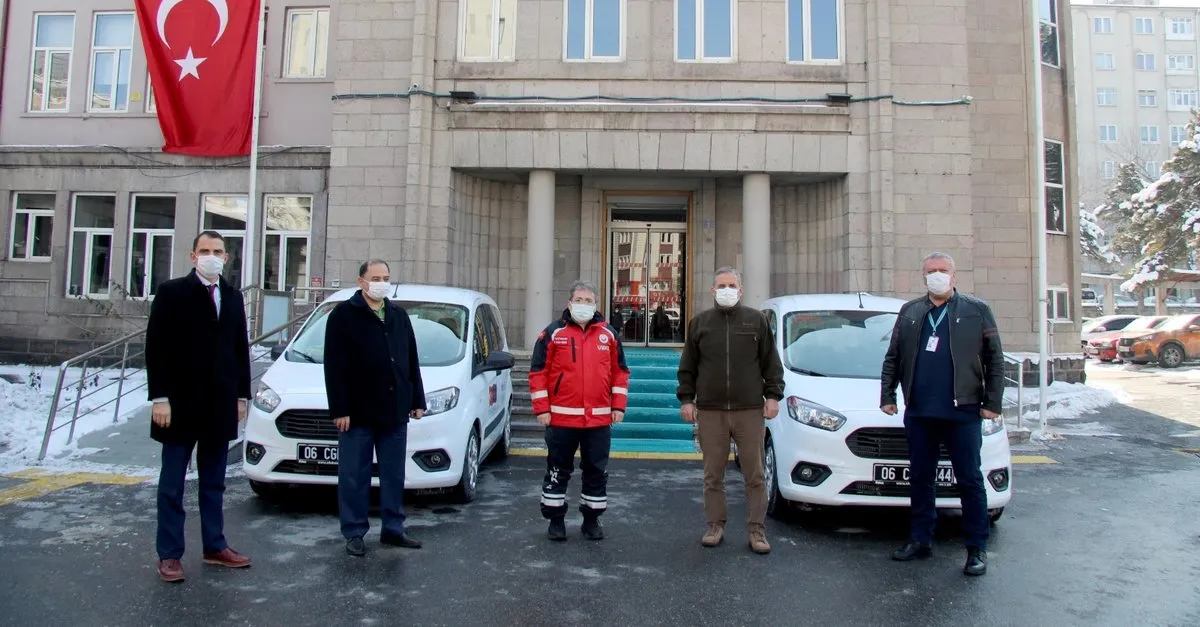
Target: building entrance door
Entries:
(647, 278)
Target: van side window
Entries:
(482, 348)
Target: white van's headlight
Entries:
(266, 399)
(994, 425)
(814, 415)
(441, 401)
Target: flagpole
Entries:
(249, 245)
(1043, 313)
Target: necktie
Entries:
(212, 289)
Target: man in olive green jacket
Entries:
(730, 378)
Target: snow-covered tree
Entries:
(1093, 240)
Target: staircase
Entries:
(652, 423)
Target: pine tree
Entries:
(1092, 239)
(1118, 209)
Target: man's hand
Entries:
(243, 407)
(618, 416)
(416, 414)
(161, 414)
(771, 410)
(342, 424)
(688, 412)
(988, 415)
(544, 420)
(890, 409)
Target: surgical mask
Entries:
(727, 296)
(582, 312)
(938, 283)
(209, 266)
(378, 290)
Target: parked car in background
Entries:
(1103, 325)
(290, 436)
(1176, 341)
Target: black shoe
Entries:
(557, 530)
(402, 541)
(592, 530)
(976, 562)
(355, 547)
(913, 550)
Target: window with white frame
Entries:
(1149, 134)
(1106, 97)
(1181, 99)
(704, 30)
(1181, 62)
(151, 103)
(1056, 218)
(1147, 98)
(1108, 170)
(92, 220)
(32, 227)
(285, 251)
(1102, 25)
(112, 55)
(1144, 61)
(1058, 304)
(1153, 169)
(151, 243)
(814, 31)
(226, 214)
(1105, 61)
(1143, 25)
(1181, 28)
(306, 43)
(50, 67)
(1108, 132)
(486, 30)
(1178, 134)
(595, 30)
(1049, 34)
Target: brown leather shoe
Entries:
(714, 535)
(170, 571)
(228, 558)
(758, 542)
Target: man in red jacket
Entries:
(579, 385)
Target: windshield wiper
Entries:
(811, 373)
(303, 355)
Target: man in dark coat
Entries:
(373, 382)
(198, 373)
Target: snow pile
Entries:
(1065, 402)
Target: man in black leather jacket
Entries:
(945, 352)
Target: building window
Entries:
(112, 53)
(226, 214)
(1106, 97)
(1181, 62)
(1049, 15)
(1056, 218)
(307, 44)
(1147, 98)
(1149, 134)
(1105, 61)
(486, 32)
(91, 245)
(285, 253)
(595, 30)
(1144, 61)
(1181, 28)
(152, 239)
(814, 31)
(1178, 134)
(1102, 25)
(1108, 132)
(1058, 304)
(1108, 170)
(1143, 25)
(32, 227)
(1153, 169)
(704, 30)
(50, 74)
(1181, 99)
(151, 103)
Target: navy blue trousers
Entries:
(593, 445)
(963, 440)
(355, 448)
(211, 459)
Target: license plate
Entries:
(317, 454)
(897, 474)
(1093, 350)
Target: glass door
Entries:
(647, 283)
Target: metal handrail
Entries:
(1020, 383)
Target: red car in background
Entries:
(1104, 345)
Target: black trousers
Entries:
(593, 445)
(963, 440)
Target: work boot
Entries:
(758, 542)
(913, 550)
(356, 547)
(976, 562)
(714, 535)
(557, 530)
(591, 528)
(170, 570)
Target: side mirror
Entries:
(277, 351)
(1099, 330)
(495, 362)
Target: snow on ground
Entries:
(25, 408)
(1066, 402)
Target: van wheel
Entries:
(995, 514)
(504, 446)
(464, 492)
(770, 480)
(264, 490)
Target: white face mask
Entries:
(727, 296)
(582, 312)
(378, 290)
(938, 283)
(209, 266)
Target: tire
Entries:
(265, 491)
(775, 501)
(502, 448)
(468, 484)
(995, 514)
(1171, 356)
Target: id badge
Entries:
(932, 345)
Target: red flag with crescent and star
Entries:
(201, 57)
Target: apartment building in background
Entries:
(513, 146)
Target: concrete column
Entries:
(539, 255)
(1110, 297)
(756, 238)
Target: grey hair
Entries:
(728, 270)
(582, 285)
(937, 255)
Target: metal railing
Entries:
(1020, 383)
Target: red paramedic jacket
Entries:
(578, 375)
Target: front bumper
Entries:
(1137, 352)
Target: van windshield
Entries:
(440, 329)
(845, 344)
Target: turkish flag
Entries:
(201, 56)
